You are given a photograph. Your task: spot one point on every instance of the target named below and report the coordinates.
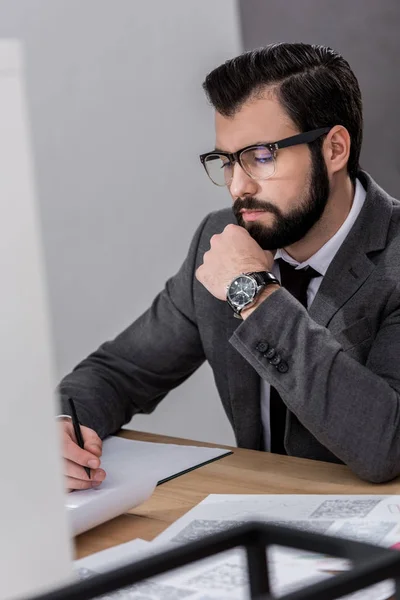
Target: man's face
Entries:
(278, 211)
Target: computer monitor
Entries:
(35, 550)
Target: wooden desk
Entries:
(243, 472)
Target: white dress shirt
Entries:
(320, 261)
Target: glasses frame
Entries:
(301, 138)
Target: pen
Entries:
(77, 429)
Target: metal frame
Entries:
(372, 564)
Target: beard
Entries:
(292, 227)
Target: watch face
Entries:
(242, 290)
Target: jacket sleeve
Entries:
(135, 371)
(352, 409)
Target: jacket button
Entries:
(276, 360)
(270, 354)
(283, 367)
(262, 347)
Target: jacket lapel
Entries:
(352, 266)
(339, 284)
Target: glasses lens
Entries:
(219, 169)
(258, 162)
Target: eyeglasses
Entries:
(257, 161)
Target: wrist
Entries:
(266, 293)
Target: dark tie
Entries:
(296, 281)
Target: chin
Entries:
(258, 229)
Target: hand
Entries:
(75, 458)
(232, 252)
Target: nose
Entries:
(242, 184)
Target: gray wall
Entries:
(118, 119)
(366, 33)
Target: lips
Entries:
(251, 215)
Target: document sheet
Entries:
(371, 518)
(133, 471)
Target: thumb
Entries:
(92, 442)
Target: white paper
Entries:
(373, 519)
(221, 577)
(225, 575)
(114, 557)
(197, 581)
(133, 470)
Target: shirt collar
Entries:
(321, 260)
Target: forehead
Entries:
(258, 120)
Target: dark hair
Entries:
(314, 84)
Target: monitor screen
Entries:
(35, 550)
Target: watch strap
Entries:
(264, 278)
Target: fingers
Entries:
(72, 484)
(86, 457)
(75, 477)
(73, 470)
(93, 449)
(75, 458)
(92, 441)
(78, 455)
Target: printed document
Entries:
(374, 519)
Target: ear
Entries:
(336, 149)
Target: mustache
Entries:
(251, 203)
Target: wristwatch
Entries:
(245, 289)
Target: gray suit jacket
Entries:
(342, 386)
